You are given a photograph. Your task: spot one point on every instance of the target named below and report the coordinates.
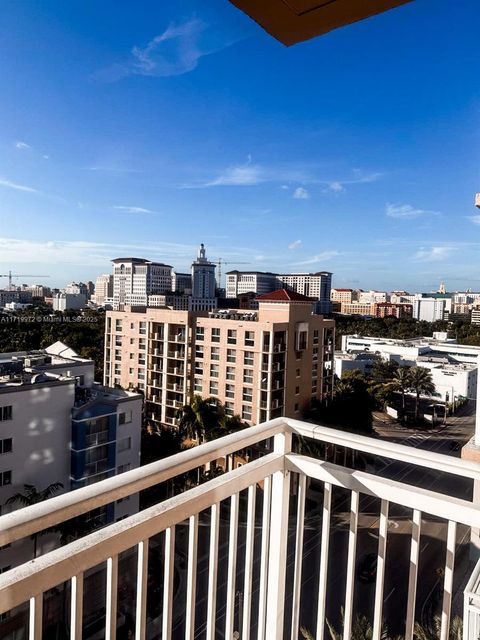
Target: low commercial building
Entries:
(453, 366)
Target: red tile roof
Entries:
(284, 295)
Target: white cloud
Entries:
(406, 211)
(320, 257)
(301, 194)
(124, 209)
(474, 219)
(244, 175)
(284, 186)
(295, 245)
(22, 145)
(174, 52)
(18, 187)
(46, 157)
(434, 254)
(336, 187)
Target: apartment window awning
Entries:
(292, 21)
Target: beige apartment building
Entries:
(260, 364)
(343, 295)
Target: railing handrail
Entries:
(29, 520)
(387, 449)
(53, 568)
(427, 501)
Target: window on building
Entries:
(229, 390)
(213, 388)
(6, 413)
(297, 373)
(199, 351)
(296, 407)
(230, 373)
(315, 336)
(214, 370)
(124, 417)
(248, 376)
(199, 333)
(143, 328)
(215, 334)
(297, 390)
(124, 444)
(197, 386)
(246, 412)
(249, 338)
(232, 336)
(198, 369)
(231, 355)
(118, 325)
(229, 408)
(124, 499)
(247, 395)
(248, 358)
(215, 353)
(5, 478)
(6, 445)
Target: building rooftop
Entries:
(141, 261)
(284, 295)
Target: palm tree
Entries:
(431, 631)
(401, 382)
(31, 496)
(197, 419)
(421, 383)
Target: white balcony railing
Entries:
(266, 568)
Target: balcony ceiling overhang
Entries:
(292, 21)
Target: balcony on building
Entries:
(304, 525)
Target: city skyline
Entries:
(149, 125)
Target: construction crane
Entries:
(221, 262)
(11, 275)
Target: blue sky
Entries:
(138, 129)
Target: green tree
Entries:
(401, 382)
(198, 419)
(31, 496)
(421, 383)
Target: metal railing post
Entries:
(278, 542)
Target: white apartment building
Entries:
(64, 301)
(134, 279)
(313, 285)
(431, 309)
(259, 282)
(56, 425)
(373, 297)
(259, 364)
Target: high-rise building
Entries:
(134, 279)
(313, 285)
(203, 276)
(259, 282)
(103, 288)
(181, 282)
(259, 364)
(203, 296)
